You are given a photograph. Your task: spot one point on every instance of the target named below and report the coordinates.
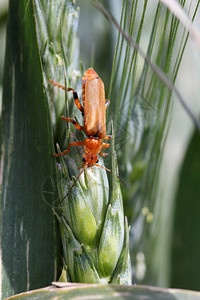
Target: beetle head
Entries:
(90, 159)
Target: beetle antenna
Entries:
(112, 173)
(57, 84)
(85, 166)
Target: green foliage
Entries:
(140, 107)
(92, 226)
(185, 242)
(93, 229)
(29, 236)
(65, 291)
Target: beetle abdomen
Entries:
(94, 105)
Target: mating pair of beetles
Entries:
(93, 112)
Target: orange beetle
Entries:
(93, 111)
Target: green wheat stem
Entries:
(94, 231)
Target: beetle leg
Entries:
(103, 154)
(75, 95)
(76, 100)
(57, 84)
(107, 137)
(79, 127)
(65, 152)
(105, 145)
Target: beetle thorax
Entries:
(93, 145)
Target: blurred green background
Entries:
(176, 257)
(3, 14)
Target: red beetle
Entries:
(94, 114)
